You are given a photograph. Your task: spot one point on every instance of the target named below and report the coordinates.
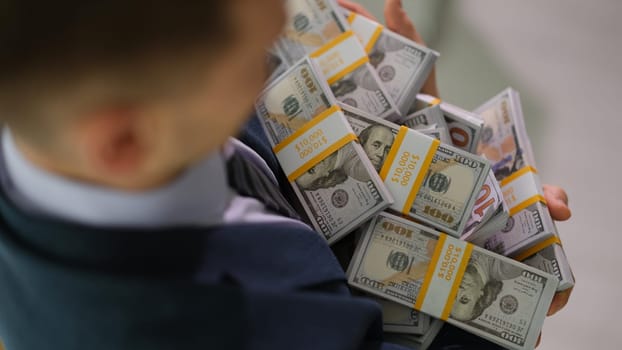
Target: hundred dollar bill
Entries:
(434, 183)
(438, 133)
(506, 145)
(530, 227)
(504, 138)
(552, 259)
(336, 201)
(483, 232)
(402, 64)
(352, 78)
(316, 147)
(310, 25)
(425, 118)
(490, 213)
(464, 127)
(416, 342)
(398, 318)
(293, 99)
(491, 296)
(429, 121)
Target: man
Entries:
(124, 223)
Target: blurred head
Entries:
(474, 295)
(376, 141)
(129, 93)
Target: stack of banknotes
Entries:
(317, 28)
(497, 298)
(402, 64)
(364, 150)
(428, 118)
(431, 182)
(316, 147)
(530, 234)
(406, 326)
(464, 127)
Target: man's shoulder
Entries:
(91, 284)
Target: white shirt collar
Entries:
(200, 196)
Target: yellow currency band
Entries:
(517, 174)
(533, 200)
(536, 248)
(308, 125)
(330, 45)
(351, 17)
(393, 152)
(386, 167)
(313, 161)
(424, 169)
(454, 289)
(374, 38)
(430, 273)
(335, 78)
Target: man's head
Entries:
(128, 93)
(376, 141)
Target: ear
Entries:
(111, 141)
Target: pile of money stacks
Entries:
(439, 195)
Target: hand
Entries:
(398, 21)
(557, 202)
(356, 8)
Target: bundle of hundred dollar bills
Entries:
(464, 127)
(530, 234)
(510, 215)
(316, 147)
(317, 28)
(431, 182)
(495, 297)
(402, 64)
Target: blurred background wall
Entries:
(564, 57)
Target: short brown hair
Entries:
(42, 42)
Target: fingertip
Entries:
(559, 301)
(560, 211)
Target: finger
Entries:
(557, 201)
(357, 8)
(398, 21)
(559, 301)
